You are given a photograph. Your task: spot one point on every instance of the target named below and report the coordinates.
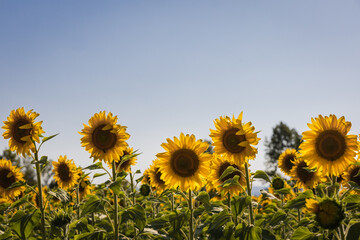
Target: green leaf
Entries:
(60, 194)
(203, 197)
(353, 233)
(96, 235)
(23, 223)
(283, 191)
(98, 175)
(20, 202)
(229, 170)
(45, 139)
(17, 184)
(277, 218)
(300, 200)
(219, 220)
(6, 235)
(302, 233)
(238, 204)
(245, 232)
(267, 235)
(261, 174)
(231, 182)
(93, 204)
(354, 185)
(352, 199)
(116, 186)
(97, 165)
(135, 213)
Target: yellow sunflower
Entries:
(305, 179)
(155, 177)
(185, 163)
(146, 177)
(286, 159)
(327, 146)
(278, 183)
(104, 138)
(125, 165)
(352, 173)
(66, 174)
(234, 139)
(219, 165)
(9, 174)
(22, 129)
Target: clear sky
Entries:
(166, 67)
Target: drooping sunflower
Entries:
(234, 139)
(104, 138)
(66, 173)
(155, 177)
(185, 163)
(125, 164)
(9, 174)
(85, 187)
(286, 159)
(305, 177)
(352, 173)
(329, 213)
(327, 146)
(22, 129)
(219, 165)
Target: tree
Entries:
(282, 138)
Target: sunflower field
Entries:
(188, 192)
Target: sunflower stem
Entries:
(249, 193)
(116, 226)
(78, 201)
(41, 202)
(132, 188)
(191, 230)
(342, 233)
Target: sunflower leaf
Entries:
(300, 200)
(93, 204)
(48, 138)
(98, 175)
(116, 185)
(238, 204)
(97, 165)
(261, 174)
(248, 232)
(283, 191)
(352, 199)
(231, 182)
(229, 170)
(135, 213)
(277, 218)
(21, 201)
(17, 184)
(354, 185)
(303, 233)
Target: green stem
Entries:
(342, 233)
(191, 230)
(249, 192)
(78, 201)
(116, 226)
(41, 201)
(132, 188)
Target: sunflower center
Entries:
(184, 162)
(231, 141)
(303, 174)
(278, 183)
(20, 133)
(6, 178)
(223, 167)
(330, 145)
(158, 177)
(287, 161)
(103, 139)
(64, 172)
(353, 173)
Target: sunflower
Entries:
(286, 159)
(352, 173)
(155, 177)
(125, 165)
(146, 177)
(22, 130)
(278, 183)
(185, 163)
(9, 174)
(219, 165)
(304, 176)
(85, 187)
(327, 146)
(234, 139)
(66, 174)
(329, 213)
(104, 138)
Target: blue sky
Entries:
(166, 67)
